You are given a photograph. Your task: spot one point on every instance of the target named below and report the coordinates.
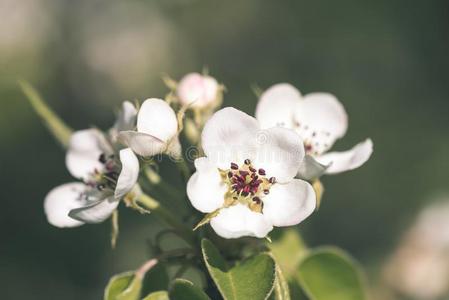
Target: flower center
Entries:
(105, 179)
(247, 185)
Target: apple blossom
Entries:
(157, 130)
(246, 180)
(320, 119)
(198, 90)
(105, 181)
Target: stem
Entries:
(167, 188)
(184, 168)
(155, 207)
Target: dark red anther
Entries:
(234, 166)
(252, 169)
(266, 192)
(247, 162)
(102, 158)
(257, 200)
(244, 173)
(262, 172)
(272, 180)
(230, 174)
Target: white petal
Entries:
(129, 173)
(347, 160)
(96, 212)
(85, 148)
(228, 136)
(238, 220)
(289, 204)
(60, 200)
(277, 105)
(126, 119)
(205, 188)
(280, 152)
(321, 120)
(158, 119)
(310, 168)
(141, 143)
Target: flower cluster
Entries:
(253, 174)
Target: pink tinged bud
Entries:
(197, 90)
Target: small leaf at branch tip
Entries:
(54, 124)
(206, 219)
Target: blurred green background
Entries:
(387, 61)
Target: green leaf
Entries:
(54, 124)
(252, 279)
(330, 274)
(160, 295)
(185, 290)
(125, 286)
(288, 249)
(281, 290)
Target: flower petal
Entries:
(85, 147)
(228, 136)
(129, 173)
(205, 188)
(238, 220)
(347, 160)
(320, 120)
(126, 119)
(276, 106)
(311, 169)
(280, 153)
(157, 118)
(197, 90)
(96, 212)
(141, 143)
(60, 200)
(289, 204)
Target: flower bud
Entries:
(197, 90)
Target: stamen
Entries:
(262, 172)
(102, 158)
(234, 166)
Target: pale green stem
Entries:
(156, 208)
(171, 191)
(184, 168)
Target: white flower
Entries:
(198, 90)
(157, 130)
(320, 119)
(126, 120)
(247, 179)
(106, 180)
(419, 267)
